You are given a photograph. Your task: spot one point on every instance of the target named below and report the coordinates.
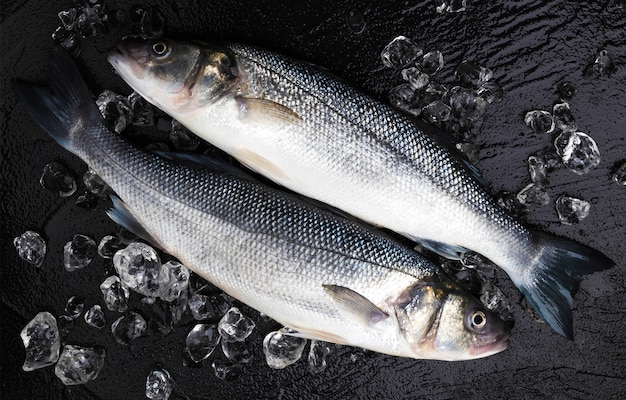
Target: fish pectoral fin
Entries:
(313, 334)
(355, 304)
(265, 111)
(257, 162)
(121, 215)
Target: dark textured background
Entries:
(530, 45)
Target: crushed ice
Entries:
(30, 247)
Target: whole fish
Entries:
(312, 133)
(309, 269)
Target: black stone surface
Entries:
(531, 46)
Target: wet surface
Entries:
(531, 46)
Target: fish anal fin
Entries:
(258, 163)
(265, 111)
(121, 215)
(355, 304)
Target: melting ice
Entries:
(318, 352)
(129, 327)
(201, 341)
(572, 210)
(540, 121)
(78, 365)
(578, 151)
(400, 52)
(30, 247)
(42, 341)
(58, 179)
(95, 317)
(159, 385)
(78, 252)
(282, 349)
(115, 294)
(75, 306)
(234, 326)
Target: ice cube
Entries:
(509, 202)
(201, 341)
(537, 170)
(201, 307)
(91, 18)
(41, 341)
(234, 326)
(178, 307)
(356, 21)
(95, 317)
(68, 18)
(182, 138)
(450, 5)
(115, 294)
(404, 97)
(68, 40)
(432, 92)
(237, 352)
(563, 118)
(95, 184)
(141, 111)
(533, 194)
(78, 365)
(79, 252)
(159, 385)
(129, 327)
(603, 65)
(494, 299)
(400, 52)
(109, 245)
(540, 121)
(432, 62)
(318, 352)
(177, 282)
(491, 92)
(87, 200)
(282, 349)
(75, 306)
(416, 78)
(139, 267)
(435, 112)
(572, 210)
(57, 179)
(566, 90)
(115, 109)
(471, 74)
(578, 151)
(30, 247)
(225, 370)
(619, 176)
(465, 104)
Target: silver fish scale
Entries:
(289, 81)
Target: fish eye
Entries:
(161, 49)
(477, 320)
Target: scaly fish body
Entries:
(326, 277)
(317, 136)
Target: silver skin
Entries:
(313, 134)
(309, 269)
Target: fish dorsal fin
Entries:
(265, 111)
(355, 304)
(121, 215)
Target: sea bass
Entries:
(324, 276)
(315, 135)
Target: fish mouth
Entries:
(498, 344)
(128, 60)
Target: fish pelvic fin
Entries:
(65, 111)
(554, 280)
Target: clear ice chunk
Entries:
(95, 184)
(141, 111)
(57, 179)
(356, 21)
(237, 352)
(91, 18)
(494, 299)
(465, 104)
(68, 18)
(109, 245)
(540, 121)
(224, 370)
(115, 294)
(74, 306)
(566, 90)
(201, 341)
(159, 385)
(619, 176)
(450, 5)
(182, 138)
(491, 91)
(282, 349)
(78, 365)
(234, 326)
(416, 78)
(318, 353)
(435, 112)
(201, 307)
(78, 252)
(87, 200)
(30, 247)
(432, 92)
(404, 97)
(177, 282)
(572, 210)
(95, 317)
(128, 327)
(578, 151)
(140, 268)
(537, 170)
(400, 52)
(563, 118)
(68, 40)
(178, 306)
(41, 341)
(602, 65)
(533, 194)
(115, 109)
(472, 75)
(432, 62)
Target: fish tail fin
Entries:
(64, 110)
(554, 280)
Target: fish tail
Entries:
(554, 280)
(64, 110)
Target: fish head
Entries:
(441, 321)
(173, 75)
